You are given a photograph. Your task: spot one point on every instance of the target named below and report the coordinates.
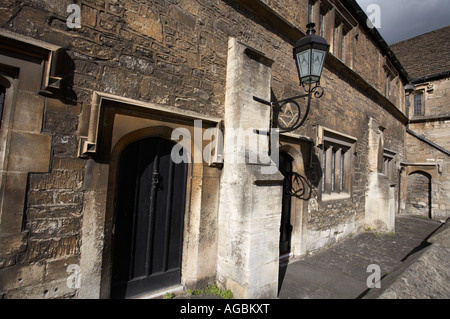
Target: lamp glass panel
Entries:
(318, 57)
(303, 63)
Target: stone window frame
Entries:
(388, 168)
(25, 149)
(9, 83)
(421, 93)
(335, 148)
(335, 26)
(390, 74)
(341, 31)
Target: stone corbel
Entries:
(52, 83)
(88, 144)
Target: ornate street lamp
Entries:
(309, 53)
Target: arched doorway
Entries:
(149, 219)
(2, 101)
(418, 194)
(286, 226)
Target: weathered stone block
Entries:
(37, 197)
(58, 179)
(48, 211)
(182, 16)
(29, 152)
(52, 248)
(145, 21)
(28, 112)
(93, 49)
(13, 243)
(57, 270)
(136, 64)
(49, 227)
(88, 16)
(64, 146)
(68, 163)
(14, 190)
(96, 176)
(21, 276)
(68, 197)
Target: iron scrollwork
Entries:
(287, 113)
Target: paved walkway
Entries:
(340, 272)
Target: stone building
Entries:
(93, 204)
(425, 173)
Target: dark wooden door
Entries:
(2, 102)
(148, 234)
(286, 227)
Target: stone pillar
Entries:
(251, 185)
(379, 212)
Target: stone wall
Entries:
(174, 53)
(434, 126)
(436, 98)
(431, 81)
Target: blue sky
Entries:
(404, 19)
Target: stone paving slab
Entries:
(340, 271)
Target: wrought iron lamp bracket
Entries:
(287, 114)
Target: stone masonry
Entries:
(137, 68)
(432, 85)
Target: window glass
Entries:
(418, 110)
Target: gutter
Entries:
(431, 77)
(424, 119)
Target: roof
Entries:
(425, 55)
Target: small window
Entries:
(387, 87)
(322, 22)
(343, 46)
(389, 76)
(336, 152)
(336, 39)
(334, 169)
(418, 104)
(388, 164)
